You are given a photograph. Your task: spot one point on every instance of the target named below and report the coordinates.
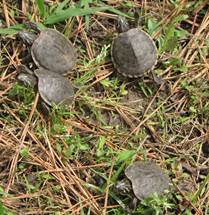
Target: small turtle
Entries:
(53, 87)
(143, 178)
(133, 51)
(50, 49)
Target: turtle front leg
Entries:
(133, 204)
(157, 79)
(45, 109)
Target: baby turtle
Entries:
(50, 50)
(53, 87)
(143, 179)
(133, 51)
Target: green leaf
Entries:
(172, 35)
(61, 6)
(125, 155)
(59, 147)
(85, 4)
(24, 152)
(152, 25)
(70, 12)
(100, 146)
(193, 109)
(46, 176)
(68, 152)
(180, 18)
(118, 12)
(41, 7)
(83, 147)
(123, 90)
(11, 30)
(202, 186)
(1, 191)
(2, 209)
(118, 172)
(106, 82)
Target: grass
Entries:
(69, 162)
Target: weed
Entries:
(156, 205)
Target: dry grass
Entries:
(69, 162)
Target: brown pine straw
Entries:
(24, 133)
(6, 15)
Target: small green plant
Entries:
(75, 146)
(155, 205)
(24, 152)
(58, 114)
(198, 92)
(177, 65)
(90, 67)
(3, 209)
(22, 94)
(146, 89)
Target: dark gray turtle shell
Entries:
(146, 178)
(54, 88)
(53, 51)
(134, 53)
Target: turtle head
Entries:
(123, 187)
(29, 37)
(122, 24)
(26, 76)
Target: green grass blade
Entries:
(61, 6)
(113, 10)
(65, 14)
(85, 5)
(125, 155)
(11, 30)
(2, 209)
(41, 7)
(201, 188)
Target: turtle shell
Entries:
(54, 88)
(146, 178)
(134, 53)
(53, 51)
